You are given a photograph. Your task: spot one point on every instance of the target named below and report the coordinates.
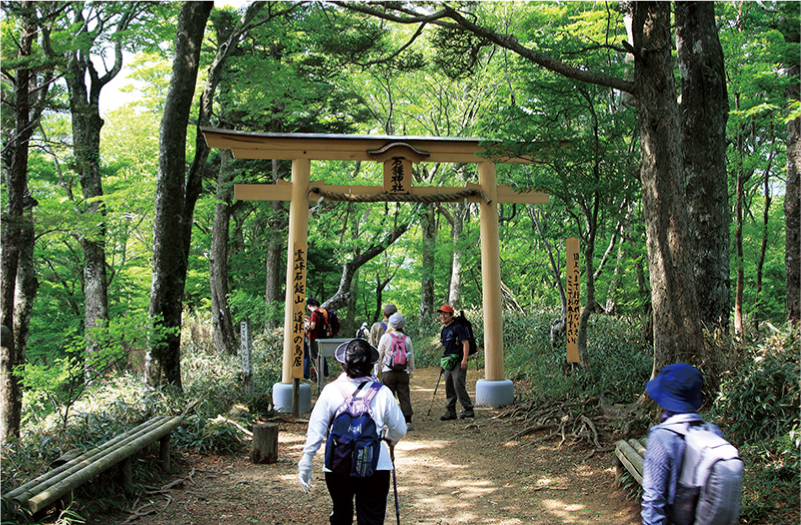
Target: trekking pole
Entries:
(394, 478)
(441, 371)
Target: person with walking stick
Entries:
(354, 468)
(456, 348)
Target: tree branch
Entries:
(504, 41)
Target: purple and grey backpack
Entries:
(353, 443)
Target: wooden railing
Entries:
(631, 455)
(53, 485)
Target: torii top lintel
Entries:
(320, 146)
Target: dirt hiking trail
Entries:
(452, 472)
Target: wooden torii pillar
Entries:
(397, 154)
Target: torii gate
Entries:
(397, 154)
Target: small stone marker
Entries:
(265, 443)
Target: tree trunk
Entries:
(265, 444)
(84, 84)
(455, 288)
(557, 325)
(739, 195)
(792, 202)
(163, 363)
(351, 324)
(738, 241)
(15, 163)
(764, 247)
(27, 286)
(677, 329)
(380, 284)
(224, 330)
(589, 287)
(275, 249)
(704, 111)
(86, 126)
(611, 295)
(429, 238)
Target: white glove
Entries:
(305, 472)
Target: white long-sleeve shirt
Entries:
(385, 411)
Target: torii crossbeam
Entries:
(397, 154)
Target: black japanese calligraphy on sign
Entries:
(298, 304)
(397, 175)
(573, 299)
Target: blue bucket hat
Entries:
(677, 388)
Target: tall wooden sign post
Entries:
(398, 155)
(572, 274)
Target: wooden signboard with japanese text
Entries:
(298, 307)
(572, 275)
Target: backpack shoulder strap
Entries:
(372, 390)
(349, 397)
(677, 428)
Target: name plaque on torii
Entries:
(397, 154)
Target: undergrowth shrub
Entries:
(758, 408)
(620, 361)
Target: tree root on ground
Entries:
(585, 422)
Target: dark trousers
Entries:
(306, 361)
(398, 382)
(456, 389)
(371, 498)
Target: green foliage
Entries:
(758, 408)
(86, 358)
(620, 361)
(771, 480)
(760, 398)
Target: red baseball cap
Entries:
(445, 308)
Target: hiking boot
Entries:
(448, 416)
(409, 426)
(467, 414)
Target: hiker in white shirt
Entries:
(358, 358)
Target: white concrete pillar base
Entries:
(494, 394)
(282, 397)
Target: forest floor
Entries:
(453, 472)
